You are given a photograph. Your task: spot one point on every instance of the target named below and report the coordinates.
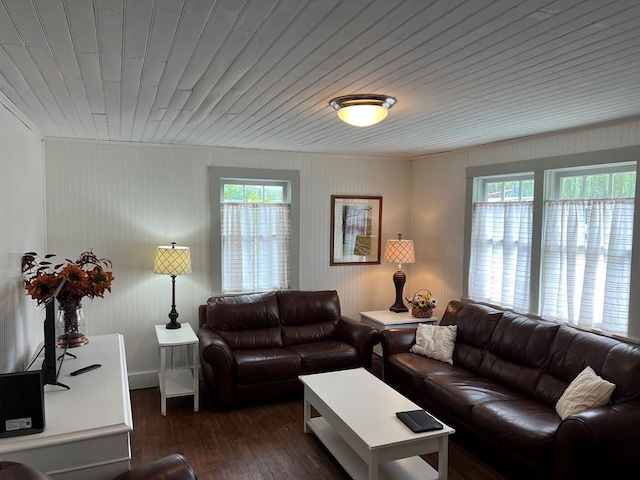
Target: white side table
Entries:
(386, 319)
(183, 381)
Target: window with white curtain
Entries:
(500, 264)
(587, 245)
(556, 242)
(254, 229)
(255, 219)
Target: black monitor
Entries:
(51, 364)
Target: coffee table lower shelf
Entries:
(410, 468)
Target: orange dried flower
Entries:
(85, 277)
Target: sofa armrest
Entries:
(361, 336)
(592, 433)
(19, 471)
(218, 366)
(397, 340)
(172, 467)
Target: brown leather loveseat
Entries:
(500, 393)
(253, 347)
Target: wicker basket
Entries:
(421, 312)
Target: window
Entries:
(586, 248)
(254, 233)
(556, 241)
(499, 268)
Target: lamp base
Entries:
(398, 280)
(173, 316)
(396, 309)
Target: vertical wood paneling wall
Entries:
(21, 230)
(122, 200)
(438, 197)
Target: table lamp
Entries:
(399, 251)
(172, 260)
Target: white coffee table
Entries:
(358, 425)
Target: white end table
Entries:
(386, 319)
(183, 381)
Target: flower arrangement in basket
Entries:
(422, 304)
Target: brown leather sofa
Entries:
(172, 467)
(500, 393)
(253, 347)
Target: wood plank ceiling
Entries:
(260, 73)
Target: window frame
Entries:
(539, 167)
(555, 177)
(217, 177)
(481, 183)
(262, 182)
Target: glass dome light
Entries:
(364, 109)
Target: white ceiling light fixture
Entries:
(362, 110)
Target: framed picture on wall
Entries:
(356, 226)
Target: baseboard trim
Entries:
(141, 380)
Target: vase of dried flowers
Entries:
(85, 277)
(70, 326)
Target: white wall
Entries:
(22, 229)
(438, 197)
(123, 199)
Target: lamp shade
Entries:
(399, 251)
(172, 260)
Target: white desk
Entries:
(183, 381)
(87, 427)
(386, 319)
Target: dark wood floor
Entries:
(265, 442)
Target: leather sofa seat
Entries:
(508, 373)
(171, 467)
(253, 366)
(253, 347)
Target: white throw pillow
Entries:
(436, 342)
(587, 390)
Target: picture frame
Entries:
(356, 228)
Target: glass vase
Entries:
(70, 325)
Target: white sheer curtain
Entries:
(255, 246)
(586, 264)
(500, 265)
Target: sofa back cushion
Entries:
(572, 350)
(517, 352)
(308, 316)
(475, 326)
(246, 321)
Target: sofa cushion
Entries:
(308, 317)
(475, 326)
(459, 394)
(517, 352)
(246, 321)
(586, 391)
(405, 371)
(256, 365)
(572, 350)
(435, 341)
(325, 356)
(526, 426)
